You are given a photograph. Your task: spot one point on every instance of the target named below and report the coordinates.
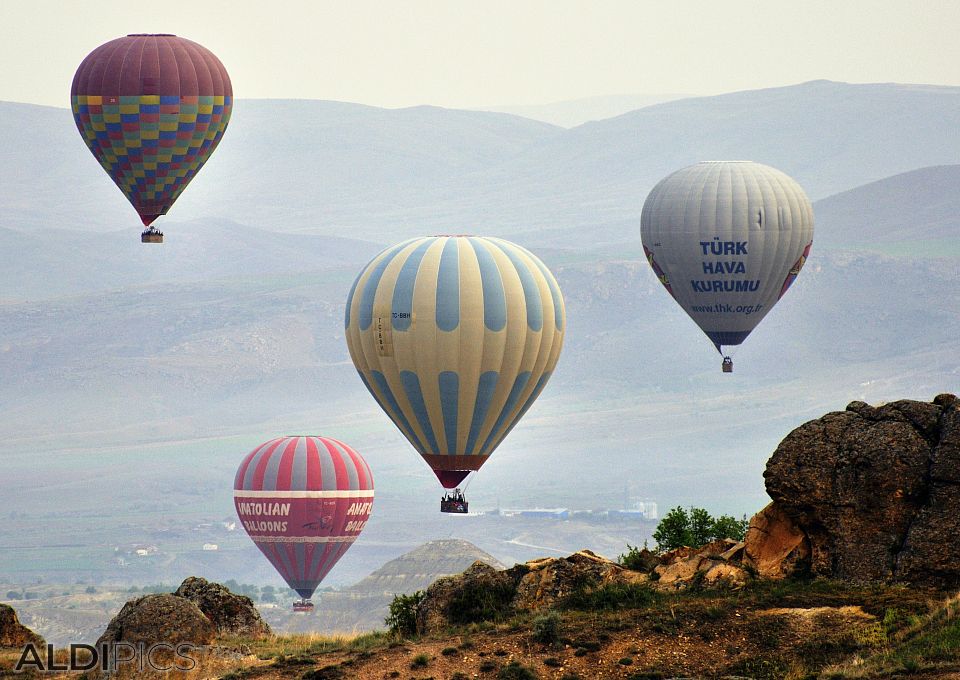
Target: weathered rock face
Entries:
(774, 546)
(875, 491)
(551, 579)
(230, 613)
(160, 618)
(716, 564)
(12, 632)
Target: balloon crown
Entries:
(151, 35)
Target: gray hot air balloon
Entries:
(726, 239)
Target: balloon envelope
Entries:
(726, 239)
(151, 108)
(303, 501)
(455, 337)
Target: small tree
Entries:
(695, 528)
(727, 526)
(701, 527)
(403, 614)
(673, 531)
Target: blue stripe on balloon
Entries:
(526, 406)
(448, 287)
(449, 400)
(402, 306)
(411, 385)
(494, 301)
(370, 288)
(518, 385)
(353, 289)
(531, 291)
(299, 554)
(392, 408)
(554, 290)
(485, 389)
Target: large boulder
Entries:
(159, 618)
(230, 614)
(12, 632)
(875, 491)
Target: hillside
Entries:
(335, 168)
(916, 212)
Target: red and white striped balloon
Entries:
(303, 501)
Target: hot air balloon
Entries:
(151, 108)
(455, 337)
(726, 239)
(303, 501)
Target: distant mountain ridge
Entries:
(910, 208)
(336, 168)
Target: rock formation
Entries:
(230, 614)
(872, 493)
(538, 584)
(12, 632)
(197, 613)
(160, 618)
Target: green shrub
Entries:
(477, 601)
(420, 661)
(448, 651)
(487, 666)
(625, 661)
(638, 559)
(516, 671)
(546, 628)
(610, 596)
(403, 614)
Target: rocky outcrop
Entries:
(874, 492)
(538, 584)
(774, 546)
(450, 599)
(230, 614)
(549, 580)
(12, 632)
(716, 564)
(160, 618)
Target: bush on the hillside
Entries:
(638, 559)
(610, 596)
(695, 528)
(476, 602)
(516, 671)
(546, 628)
(403, 614)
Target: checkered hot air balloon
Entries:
(455, 337)
(303, 501)
(151, 108)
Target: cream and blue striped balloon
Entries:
(455, 337)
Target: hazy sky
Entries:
(496, 52)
